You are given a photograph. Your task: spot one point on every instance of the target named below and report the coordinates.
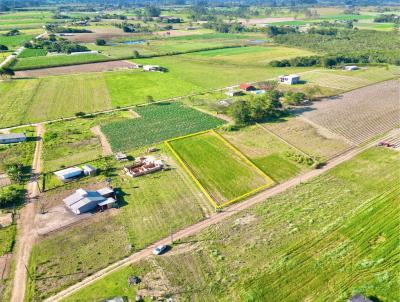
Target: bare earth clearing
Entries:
(361, 114)
(104, 142)
(82, 68)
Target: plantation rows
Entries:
(361, 114)
(157, 123)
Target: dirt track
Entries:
(104, 142)
(26, 235)
(216, 218)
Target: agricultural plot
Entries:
(338, 229)
(33, 100)
(224, 173)
(269, 153)
(57, 60)
(313, 141)
(15, 41)
(157, 123)
(32, 52)
(361, 114)
(145, 216)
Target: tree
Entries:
(101, 42)
(136, 54)
(152, 11)
(6, 72)
(11, 195)
(3, 47)
(149, 99)
(240, 112)
(15, 172)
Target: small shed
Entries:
(247, 87)
(234, 93)
(69, 173)
(107, 204)
(10, 138)
(359, 298)
(351, 67)
(89, 170)
(289, 79)
(121, 156)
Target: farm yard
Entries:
(248, 256)
(361, 114)
(224, 173)
(157, 122)
(145, 215)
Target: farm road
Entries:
(26, 234)
(214, 219)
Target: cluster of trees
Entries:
(273, 31)
(3, 48)
(56, 44)
(11, 33)
(224, 27)
(113, 16)
(55, 28)
(133, 27)
(342, 23)
(343, 46)
(11, 195)
(389, 18)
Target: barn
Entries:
(11, 138)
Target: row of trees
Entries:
(56, 44)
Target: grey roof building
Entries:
(10, 138)
(83, 201)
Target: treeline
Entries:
(133, 27)
(55, 44)
(55, 28)
(343, 46)
(390, 18)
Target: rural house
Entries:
(289, 79)
(83, 201)
(10, 138)
(119, 156)
(247, 87)
(143, 166)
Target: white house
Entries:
(151, 68)
(289, 79)
(351, 67)
(10, 138)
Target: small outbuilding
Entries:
(351, 67)
(10, 138)
(121, 156)
(232, 93)
(89, 170)
(289, 79)
(69, 173)
(151, 68)
(247, 87)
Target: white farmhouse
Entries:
(289, 79)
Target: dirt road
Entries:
(216, 218)
(26, 235)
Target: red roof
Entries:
(247, 87)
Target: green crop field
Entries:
(57, 60)
(15, 41)
(157, 123)
(145, 216)
(33, 100)
(28, 53)
(323, 240)
(266, 151)
(224, 173)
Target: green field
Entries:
(324, 240)
(157, 123)
(7, 239)
(266, 151)
(224, 173)
(32, 52)
(33, 100)
(15, 41)
(145, 216)
(57, 60)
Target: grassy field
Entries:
(222, 171)
(72, 142)
(145, 215)
(157, 123)
(14, 41)
(307, 138)
(32, 52)
(7, 238)
(57, 60)
(324, 240)
(266, 151)
(33, 100)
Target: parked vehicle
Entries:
(160, 249)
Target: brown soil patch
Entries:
(74, 69)
(103, 139)
(6, 219)
(5, 262)
(99, 33)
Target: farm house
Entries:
(151, 68)
(11, 138)
(289, 79)
(350, 68)
(247, 87)
(83, 201)
(69, 173)
(145, 165)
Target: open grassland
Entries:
(224, 172)
(145, 216)
(361, 114)
(33, 100)
(73, 142)
(266, 151)
(250, 56)
(309, 139)
(57, 60)
(324, 240)
(32, 52)
(157, 123)
(15, 41)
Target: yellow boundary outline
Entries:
(233, 148)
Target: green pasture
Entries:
(324, 240)
(32, 52)
(224, 173)
(15, 41)
(157, 123)
(145, 215)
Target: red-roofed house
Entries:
(247, 87)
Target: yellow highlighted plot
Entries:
(220, 170)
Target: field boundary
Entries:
(269, 183)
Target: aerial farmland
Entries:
(199, 151)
